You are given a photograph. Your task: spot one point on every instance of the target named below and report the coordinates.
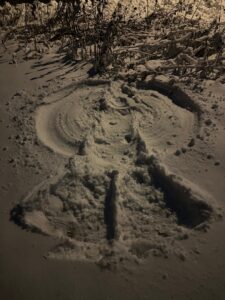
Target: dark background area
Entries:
(21, 1)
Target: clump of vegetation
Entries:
(85, 30)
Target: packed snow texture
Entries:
(116, 199)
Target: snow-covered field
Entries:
(124, 171)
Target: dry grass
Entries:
(85, 32)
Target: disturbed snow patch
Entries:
(115, 200)
(108, 118)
